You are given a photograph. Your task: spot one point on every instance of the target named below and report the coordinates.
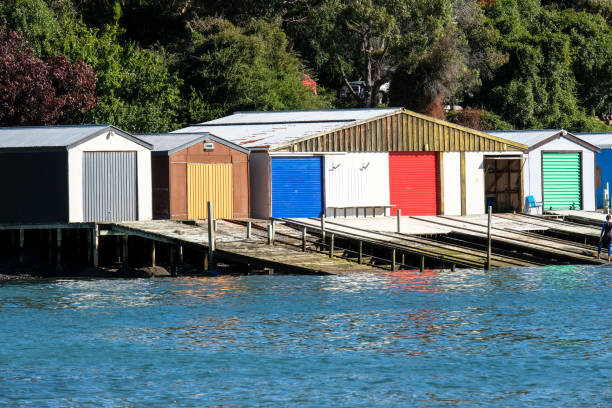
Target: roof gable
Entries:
(540, 137)
(170, 143)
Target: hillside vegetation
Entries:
(156, 65)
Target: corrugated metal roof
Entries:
(45, 137)
(269, 129)
(526, 137)
(163, 142)
(312, 116)
(173, 142)
(601, 140)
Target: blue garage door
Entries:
(297, 187)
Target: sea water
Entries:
(505, 338)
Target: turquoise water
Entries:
(512, 338)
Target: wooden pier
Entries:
(314, 246)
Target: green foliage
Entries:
(248, 68)
(138, 91)
(36, 21)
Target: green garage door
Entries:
(562, 181)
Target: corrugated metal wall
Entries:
(406, 131)
(209, 182)
(110, 186)
(357, 179)
(562, 180)
(413, 179)
(297, 187)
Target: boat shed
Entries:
(603, 162)
(58, 174)
(559, 169)
(356, 162)
(188, 170)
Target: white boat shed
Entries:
(59, 174)
(559, 168)
(356, 162)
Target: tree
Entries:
(37, 92)
(248, 68)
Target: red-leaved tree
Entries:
(37, 92)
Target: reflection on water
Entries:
(509, 337)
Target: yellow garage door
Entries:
(209, 182)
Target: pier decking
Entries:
(310, 246)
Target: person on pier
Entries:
(605, 238)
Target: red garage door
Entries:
(413, 180)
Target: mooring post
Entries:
(331, 246)
(393, 264)
(249, 226)
(21, 244)
(89, 249)
(95, 237)
(303, 239)
(59, 247)
(50, 248)
(205, 261)
(215, 225)
(152, 251)
(489, 238)
(453, 267)
(126, 261)
(323, 227)
(399, 220)
(422, 264)
(172, 261)
(269, 234)
(273, 226)
(360, 258)
(211, 236)
(180, 251)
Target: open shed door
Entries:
(110, 187)
(413, 183)
(297, 187)
(562, 180)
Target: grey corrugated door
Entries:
(110, 188)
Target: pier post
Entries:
(360, 258)
(304, 239)
(269, 234)
(125, 250)
(50, 248)
(59, 246)
(95, 240)
(215, 225)
(21, 244)
(453, 267)
(180, 250)
(323, 227)
(152, 251)
(422, 264)
(489, 238)
(273, 225)
(172, 261)
(393, 264)
(399, 216)
(331, 246)
(205, 261)
(211, 237)
(249, 226)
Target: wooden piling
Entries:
(304, 239)
(152, 251)
(393, 264)
(399, 220)
(331, 246)
(59, 247)
(323, 227)
(180, 251)
(125, 250)
(249, 229)
(360, 258)
(95, 241)
(211, 236)
(489, 237)
(422, 264)
(21, 245)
